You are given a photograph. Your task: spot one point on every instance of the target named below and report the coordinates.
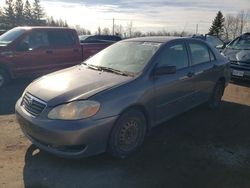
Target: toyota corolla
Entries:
(110, 101)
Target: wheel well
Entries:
(4, 68)
(222, 79)
(142, 109)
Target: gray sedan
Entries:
(110, 101)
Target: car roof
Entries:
(159, 39)
(44, 27)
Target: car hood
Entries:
(75, 83)
(237, 55)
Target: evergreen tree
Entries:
(217, 27)
(19, 12)
(9, 15)
(38, 13)
(27, 13)
(1, 19)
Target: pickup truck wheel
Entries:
(4, 78)
(127, 135)
(217, 94)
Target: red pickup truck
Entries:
(39, 50)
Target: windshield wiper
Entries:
(92, 66)
(108, 69)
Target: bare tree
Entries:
(119, 30)
(106, 31)
(231, 27)
(81, 31)
(130, 29)
(236, 25)
(99, 31)
(243, 17)
(138, 34)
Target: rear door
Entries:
(203, 62)
(174, 92)
(66, 50)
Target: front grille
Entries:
(33, 105)
(240, 64)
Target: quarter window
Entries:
(174, 55)
(199, 53)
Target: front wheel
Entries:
(128, 134)
(215, 100)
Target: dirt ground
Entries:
(200, 148)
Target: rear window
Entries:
(61, 38)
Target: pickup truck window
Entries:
(11, 35)
(35, 40)
(62, 38)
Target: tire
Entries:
(127, 134)
(4, 78)
(218, 91)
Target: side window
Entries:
(34, 40)
(174, 55)
(61, 38)
(199, 53)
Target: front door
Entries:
(174, 92)
(31, 56)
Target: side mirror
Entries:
(24, 46)
(163, 70)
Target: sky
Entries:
(145, 15)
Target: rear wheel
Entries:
(128, 134)
(217, 94)
(4, 78)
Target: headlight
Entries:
(75, 110)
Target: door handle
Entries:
(49, 52)
(190, 74)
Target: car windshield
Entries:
(11, 35)
(127, 57)
(241, 43)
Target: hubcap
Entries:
(129, 135)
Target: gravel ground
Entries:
(200, 148)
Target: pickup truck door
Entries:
(66, 49)
(174, 92)
(31, 55)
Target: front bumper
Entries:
(71, 139)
